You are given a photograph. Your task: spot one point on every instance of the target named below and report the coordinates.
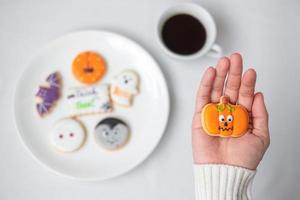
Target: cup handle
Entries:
(215, 51)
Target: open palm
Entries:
(227, 79)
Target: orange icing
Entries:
(117, 91)
(88, 67)
(224, 119)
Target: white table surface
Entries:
(267, 34)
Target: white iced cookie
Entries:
(124, 87)
(111, 133)
(88, 100)
(67, 135)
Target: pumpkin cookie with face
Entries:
(224, 119)
(88, 67)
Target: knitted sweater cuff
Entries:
(222, 182)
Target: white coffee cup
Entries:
(198, 12)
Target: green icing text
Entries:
(84, 105)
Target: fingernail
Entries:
(261, 94)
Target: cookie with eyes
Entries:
(67, 135)
(88, 67)
(112, 133)
(124, 87)
(224, 119)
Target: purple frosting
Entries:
(48, 95)
(43, 108)
(53, 80)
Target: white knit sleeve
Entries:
(222, 182)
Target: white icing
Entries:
(124, 87)
(67, 135)
(229, 118)
(89, 99)
(221, 118)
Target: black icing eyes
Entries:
(229, 118)
(105, 133)
(116, 131)
(126, 79)
(222, 118)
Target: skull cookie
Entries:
(124, 87)
(111, 133)
(67, 135)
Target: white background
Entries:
(267, 33)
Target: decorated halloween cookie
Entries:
(88, 67)
(224, 119)
(124, 87)
(112, 133)
(67, 135)
(48, 94)
(88, 100)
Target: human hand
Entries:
(248, 150)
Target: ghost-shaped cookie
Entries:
(111, 133)
(124, 87)
(67, 135)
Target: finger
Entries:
(247, 89)
(234, 77)
(204, 91)
(221, 72)
(198, 134)
(260, 118)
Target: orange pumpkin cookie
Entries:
(88, 67)
(224, 119)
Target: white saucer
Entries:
(147, 117)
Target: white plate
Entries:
(147, 117)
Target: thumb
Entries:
(260, 117)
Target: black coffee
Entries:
(183, 34)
